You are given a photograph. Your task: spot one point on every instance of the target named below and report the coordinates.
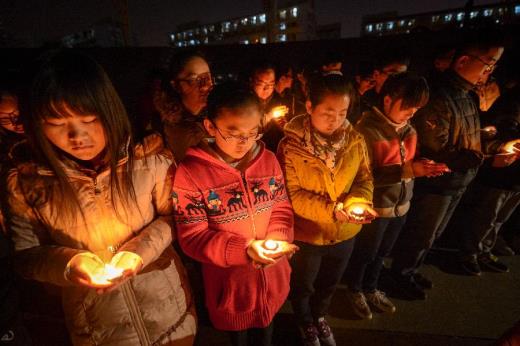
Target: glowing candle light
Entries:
(270, 245)
(358, 211)
(105, 275)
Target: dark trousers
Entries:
(486, 209)
(316, 271)
(427, 219)
(373, 244)
(252, 336)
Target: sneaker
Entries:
(422, 281)
(360, 305)
(492, 263)
(470, 266)
(501, 248)
(310, 335)
(409, 288)
(325, 333)
(379, 301)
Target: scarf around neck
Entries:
(326, 148)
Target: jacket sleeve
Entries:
(153, 239)
(36, 256)
(306, 204)
(196, 238)
(281, 223)
(433, 123)
(363, 185)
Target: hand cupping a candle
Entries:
(359, 213)
(509, 153)
(87, 269)
(269, 251)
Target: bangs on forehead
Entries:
(61, 104)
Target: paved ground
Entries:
(460, 311)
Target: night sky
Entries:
(37, 21)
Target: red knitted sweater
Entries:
(218, 210)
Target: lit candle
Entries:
(279, 112)
(358, 211)
(270, 245)
(105, 275)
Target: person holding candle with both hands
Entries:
(90, 212)
(329, 183)
(235, 218)
(391, 143)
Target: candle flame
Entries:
(270, 244)
(105, 275)
(358, 211)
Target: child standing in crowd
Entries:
(329, 183)
(91, 213)
(181, 102)
(234, 216)
(391, 142)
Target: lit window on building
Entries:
(262, 18)
(369, 28)
(184, 35)
(402, 22)
(501, 11)
(411, 22)
(282, 14)
(226, 26)
(244, 21)
(283, 26)
(192, 42)
(206, 40)
(435, 19)
(488, 12)
(379, 26)
(197, 31)
(244, 42)
(205, 30)
(389, 25)
(235, 25)
(263, 40)
(190, 33)
(460, 16)
(448, 17)
(517, 10)
(211, 28)
(282, 38)
(253, 20)
(473, 14)
(179, 36)
(294, 12)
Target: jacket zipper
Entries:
(403, 183)
(135, 314)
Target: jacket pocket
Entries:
(240, 290)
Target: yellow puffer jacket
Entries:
(152, 308)
(314, 189)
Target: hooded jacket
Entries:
(218, 211)
(152, 308)
(391, 150)
(314, 189)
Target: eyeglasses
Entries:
(489, 67)
(12, 118)
(239, 139)
(200, 81)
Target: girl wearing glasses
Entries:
(90, 213)
(233, 216)
(330, 186)
(181, 102)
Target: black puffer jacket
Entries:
(505, 115)
(448, 128)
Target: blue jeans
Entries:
(316, 271)
(373, 244)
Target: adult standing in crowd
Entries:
(182, 99)
(448, 130)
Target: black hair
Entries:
(281, 70)
(393, 56)
(232, 95)
(67, 79)
(411, 88)
(364, 69)
(332, 84)
(177, 63)
(261, 67)
(479, 41)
